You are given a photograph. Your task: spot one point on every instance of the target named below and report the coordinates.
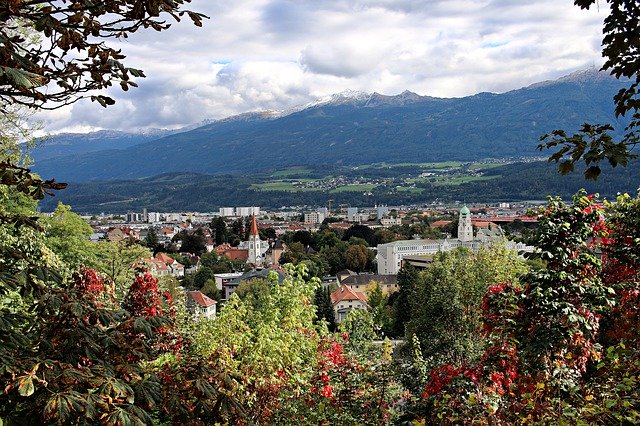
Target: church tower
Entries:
(465, 229)
(255, 255)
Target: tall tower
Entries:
(255, 254)
(465, 229)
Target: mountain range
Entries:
(350, 129)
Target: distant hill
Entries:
(70, 144)
(200, 192)
(356, 128)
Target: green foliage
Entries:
(402, 307)
(258, 343)
(118, 261)
(324, 308)
(359, 326)
(563, 347)
(380, 310)
(67, 234)
(447, 318)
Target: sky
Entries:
(277, 54)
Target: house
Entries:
(344, 299)
(201, 305)
(362, 282)
(232, 253)
(163, 264)
(273, 254)
(225, 278)
(122, 233)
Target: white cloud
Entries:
(275, 54)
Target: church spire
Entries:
(254, 226)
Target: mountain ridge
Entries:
(357, 128)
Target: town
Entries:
(209, 256)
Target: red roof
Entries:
(201, 299)
(344, 292)
(254, 226)
(164, 258)
(440, 223)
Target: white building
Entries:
(226, 211)
(390, 255)
(200, 305)
(247, 211)
(314, 218)
(352, 214)
(390, 221)
(257, 248)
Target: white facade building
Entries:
(390, 255)
(314, 218)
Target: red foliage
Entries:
(143, 298)
(88, 282)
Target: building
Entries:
(314, 218)
(225, 278)
(390, 256)
(344, 299)
(363, 282)
(163, 264)
(226, 211)
(247, 211)
(255, 247)
(200, 305)
(465, 228)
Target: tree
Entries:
(192, 242)
(446, 306)
(380, 311)
(210, 288)
(359, 326)
(201, 276)
(151, 241)
(360, 231)
(67, 234)
(567, 336)
(118, 261)
(324, 308)
(218, 228)
(73, 60)
(356, 257)
(594, 144)
(402, 312)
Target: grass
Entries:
(409, 189)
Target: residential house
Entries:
(122, 233)
(362, 282)
(162, 264)
(201, 305)
(344, 299)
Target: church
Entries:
(389, 256)
(256, 247)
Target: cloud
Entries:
(276, 54)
